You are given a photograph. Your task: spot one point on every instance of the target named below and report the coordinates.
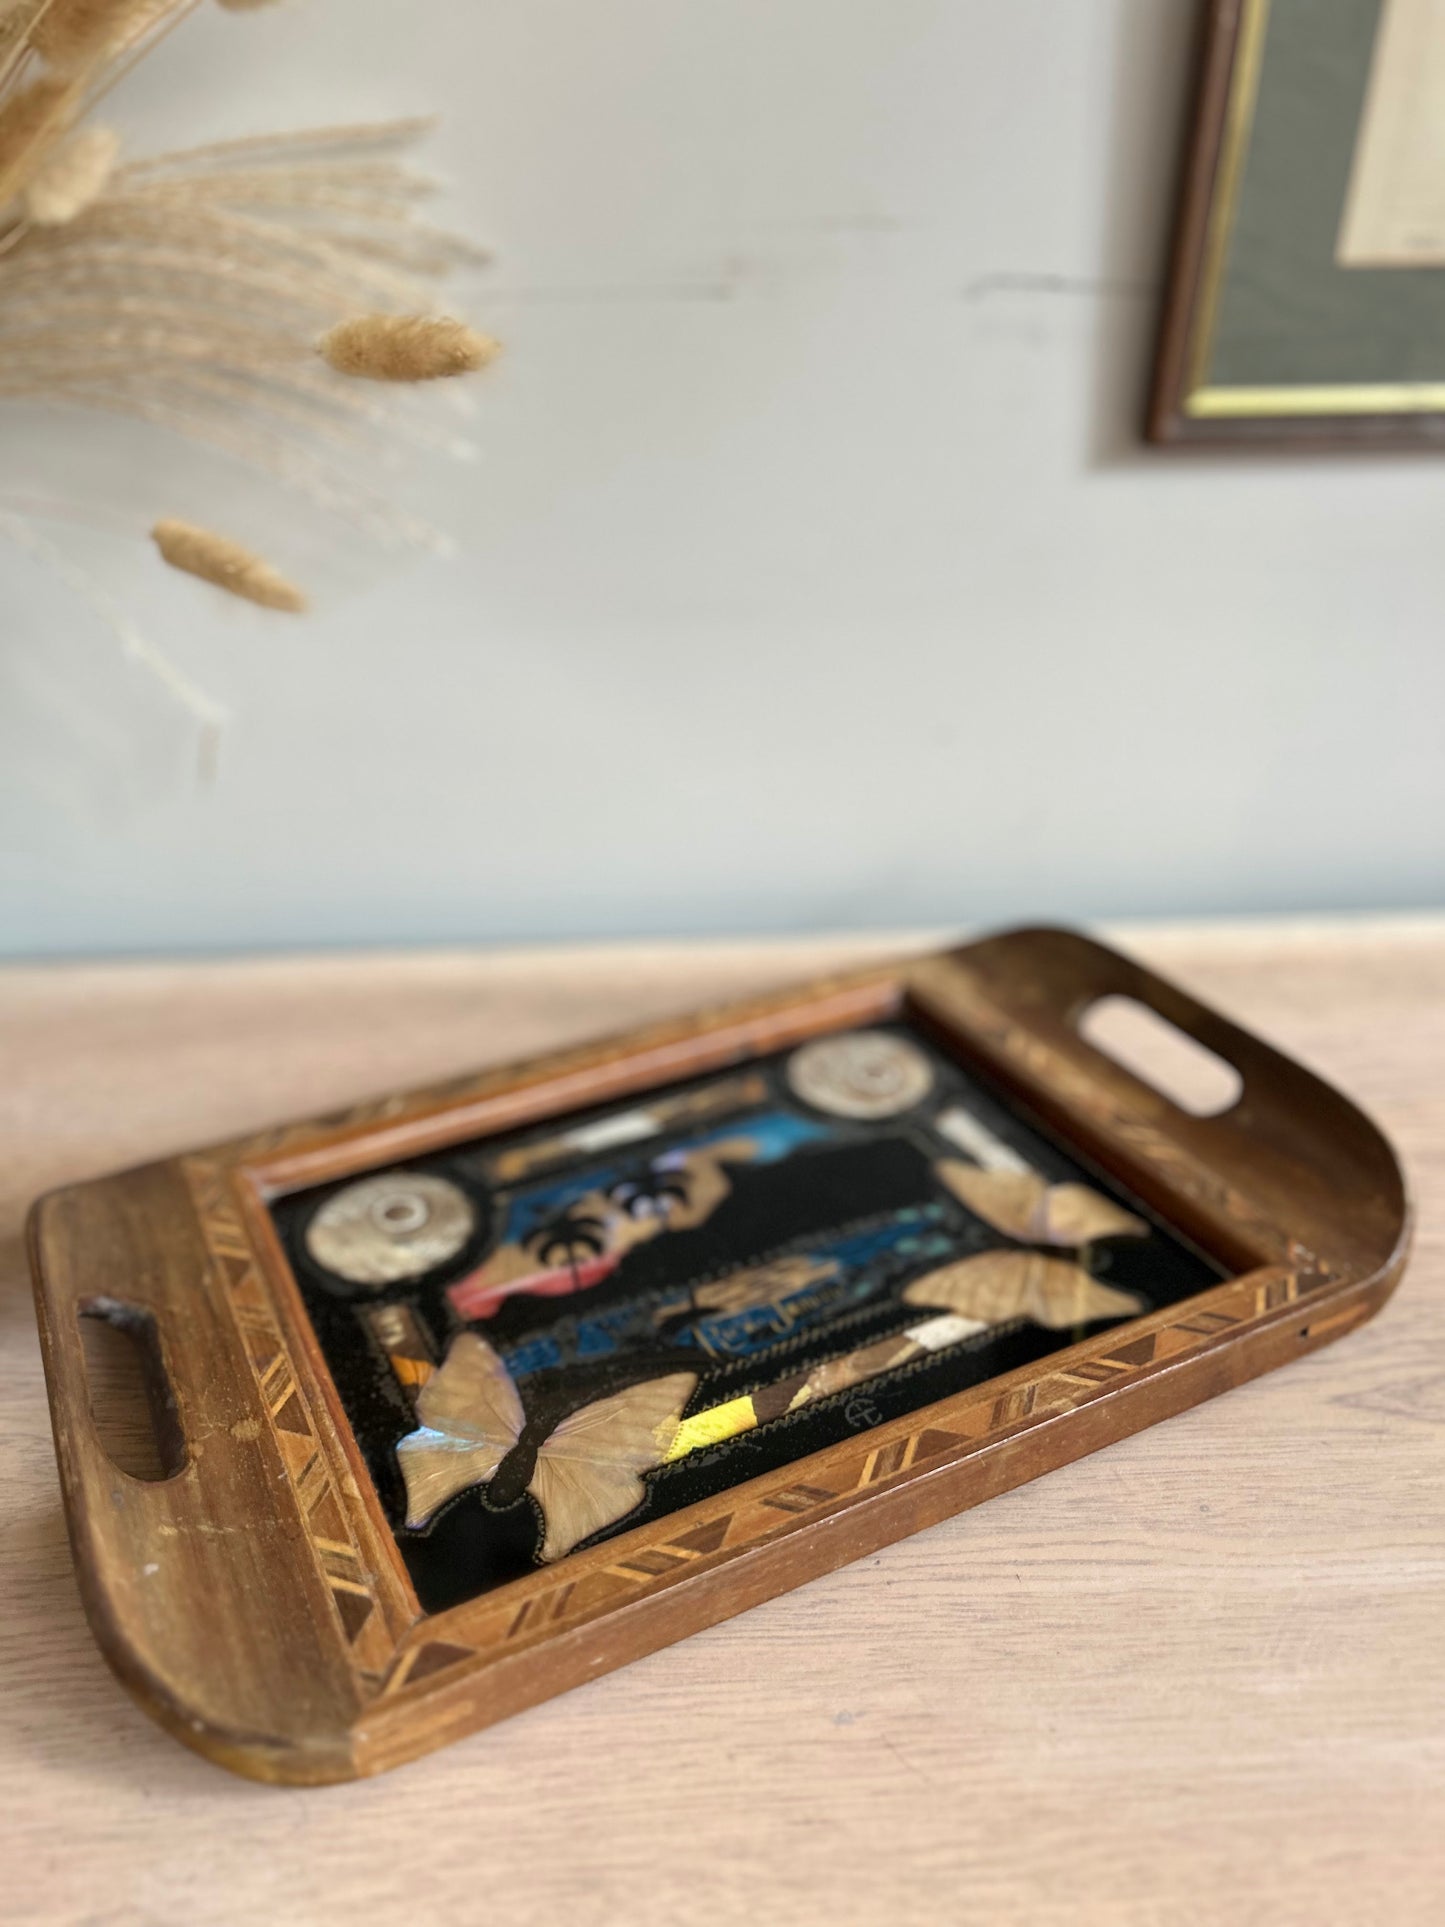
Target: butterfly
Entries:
(1025, 1206)
(995, 1286)
(584, 1475)
(1054, 1291)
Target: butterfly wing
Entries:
(589, 1471)
(998, 1285)
(990, 1287)
(1060, 1294)
(1074, 1215)
(471, 1417)
(1010, 1201)
(1021, 1205)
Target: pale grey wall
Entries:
(807, 576)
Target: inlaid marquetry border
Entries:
(645, 1562)
(323, 1490)
(397, 1652)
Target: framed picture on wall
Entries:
(1306, 303)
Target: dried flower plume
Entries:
(32, 119)
(191, 290)
(217, 559)
(72, 176)
(70, 34)
(381, 347)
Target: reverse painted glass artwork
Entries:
(546, 1338)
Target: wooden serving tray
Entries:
(467, 1396)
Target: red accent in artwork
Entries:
(471, 1298)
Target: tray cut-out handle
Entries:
(1290, 1163)
(132, 1405)
(1162, 1055)
(180, 1571)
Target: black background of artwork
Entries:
(864, 1173)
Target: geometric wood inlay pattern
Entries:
(958, 1427)
(333, 1543)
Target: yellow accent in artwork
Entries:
(413, 1372)
(712, 1427)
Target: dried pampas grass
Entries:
(380, 347)
(208, 716)
(219, 560)
(72, 176)
(192, 289)
(32, 119)
(17, 17)
(71, 34)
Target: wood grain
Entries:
(256, 1603)
(1198, 1675)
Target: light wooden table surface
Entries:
(1199, 1677)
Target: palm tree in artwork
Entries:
(567, 1237)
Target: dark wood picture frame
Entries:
(1342, 418)
(255, 1602)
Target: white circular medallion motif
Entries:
(862, 1074)
(396, 1225)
